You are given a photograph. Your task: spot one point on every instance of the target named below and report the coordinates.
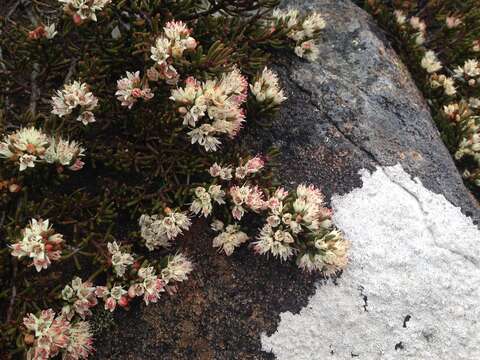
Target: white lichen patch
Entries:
(412, 289)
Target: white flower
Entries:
(50, 31)
(27, 161)
(130, 89)
(120, 260)
(308, 50)
(217, 225)
(80, 345)
(470, 69)
(224, 173)
(449, 86)
(84, 9)
(267, 89)
(419, 38)
(177, 269)
(51, 334)
(430, 62)
(150, 285)
(159, 230)
(312, 24)
(170, 46)
(453, 22)
(290, 16)
(64, 152)
(80, 297)
(40, 243)
(275, 242)
(230, 239)
(418, 24)
(202, 201)
(212, 108)
(73, 96)
(474, 102)
(400, 17)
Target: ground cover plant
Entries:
(120, 123)
(440, 42)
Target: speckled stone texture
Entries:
(357, 107)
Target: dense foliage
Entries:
(120, 122)
(440, 42)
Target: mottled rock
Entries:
(357, 107)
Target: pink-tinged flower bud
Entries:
(123, 302)
(77, 19)
(110, 304)
(78, 165)
(100, 291)
(37, 33)
(471, 82)
(136, 93)
(13, 188)
(182, 110)
(29, 339)
(131, 291)
(191, 43)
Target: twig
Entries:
(71, 69)
(12, 10)
(35, 94)
(14, 291)
(213, 9)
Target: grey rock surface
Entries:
(356, 108)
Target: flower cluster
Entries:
(159, 230)
(149, 285)
(212, 108)
(266, 89)
(112, 296)
(131, 88)
(297, 224)
(447, 83)
(470, 143)
(300, 225)
(82, 10)
(120, 260)
(430, 62)
(177, 269)
(203, 198)
(28, 146)
(457, 74)
(80, 298)
(43, 31)
(229, 238)
(73, 96)
(246, 197)
(168, 47)
(25, 146)
(469, 72)
(50, 335)
(302, 30)
(40, 243)
(65, 153)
